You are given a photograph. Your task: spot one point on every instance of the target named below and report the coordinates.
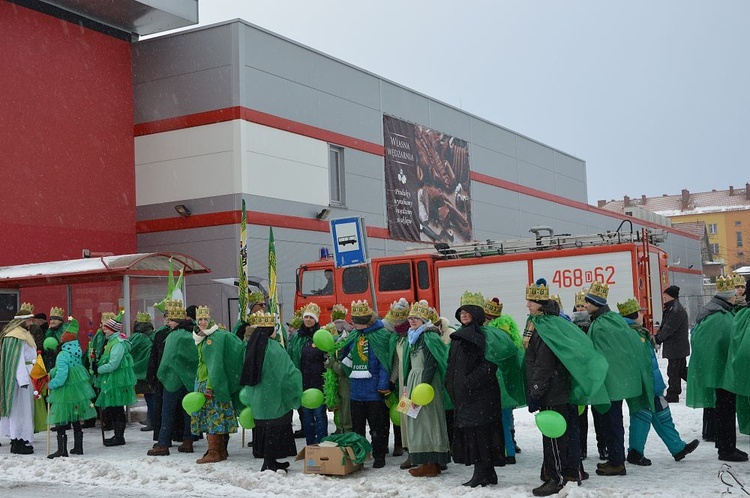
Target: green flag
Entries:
(273, 298)
(242, 270)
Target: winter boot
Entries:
(492, 475)
(480, 477)
(611, 470)
(689, 448)
(215, 443)
(62, 445)
(223, 449)
(273, 465)
(426, 470)
(77, 442)
(22, 448)
(406, 464)
(636, 458)
(186, 446)
(119, 438)
(398, 450)
(548, 488)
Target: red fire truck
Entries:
(630, 263)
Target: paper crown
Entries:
(472, 299)
(255, 298)
(313, 310)
(420, 309)
(175, 310)
(724, 284)
(331, 327)
(25, 311)
(56, 313)
(739, 280)
(202, 312)
(536, 292)
(142, 317)
(296, 320)
(493, 307)
(629, 307)
(361, 308)
(556, 298)
(433, 315)
(581, 297)
(107, 315)
(598, 292)
(261, 319)
(338, 312)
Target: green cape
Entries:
(439, 350)
(11, 351)
(179, 361)
(280, 386)
(382, 342)
(141, 353)
(295, 346)
(738, 358)
(629, 376)
(587, 367)
(223, 353)
(710, 348)
(511, 376)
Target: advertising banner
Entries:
(427, 184)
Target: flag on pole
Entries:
(242, 270)
(273, 298)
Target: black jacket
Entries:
(547, 379)
(470, 380)
(157, 350)
(673, 333)
(312, 361)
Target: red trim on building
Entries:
(677, 269)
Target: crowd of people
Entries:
(478, 370)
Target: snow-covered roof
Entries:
(714, 201)
(97, 269)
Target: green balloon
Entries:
(246, 418)
(245, 395)
(551, 423)
(395, 415)
(323, 340)
(50, 344)
(192, 402)
(581, 408)
(422, 394)
(312, 398)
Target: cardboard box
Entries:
(328, 460)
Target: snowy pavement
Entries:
(126, 471)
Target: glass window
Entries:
(739, 239)
(395, 277)
(317, 283)
(712, 229)
(423, 275)
(336, 175)
(714, 248)
(355, 280)
(738, 223)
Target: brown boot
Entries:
(426, 470)
(186, 446)
(215, 442)
(224, 445)
(158, 451)
(398, 450)
(406, 464)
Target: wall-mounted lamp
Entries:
(182, 210)
(323, 214)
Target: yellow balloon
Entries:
(422, 394)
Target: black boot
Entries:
(480, 477)
(62, 445)
(77, 442)
(119, 438)
(19, 447)
(273, 465)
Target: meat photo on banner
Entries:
(427, 183)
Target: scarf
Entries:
(255, 355)
(202, 334)
(414, 334)
(358, 359)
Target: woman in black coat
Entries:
(472, 386)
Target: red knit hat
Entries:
(71, 331)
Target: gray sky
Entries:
(653, 95)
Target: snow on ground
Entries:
(126, 471)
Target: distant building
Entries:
(725, 215)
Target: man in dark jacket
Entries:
(673, 335)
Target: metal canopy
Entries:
(106, 268)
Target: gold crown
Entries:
(107, 315)
(331, 327)
(537, 292)
(175, 309)
(262, 319)
(143, 317)
(581, 297)
(420, 309)
(202, 312)
(472, 299)
(312, 309)
(254, 298)
(338, 312)
(556, 298)
(629, 307)
(57, 313)
(361, 308)
(599, 289)
(739, 280)
(724, 284)
(398, 312)
(25, 309)
(433, 316)
(492, 308)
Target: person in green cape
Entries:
(425, 361)
(115, 379)
(220, 355)
(94, 353)
(275, 389)
(396, 323)
(177, 374)
(55, 331)
(367, 355)
(336, 381)
(70, 393)
(142, 340)
(562, 371)
(708, 386)
(642, 420)
(629, 375)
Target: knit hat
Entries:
(56, 313)
(41, 316)
(312, 310)
(26, 311)
(672, 291)
(420, 310)
(190, 311)
(115, 323)
(493, 308)
(597, 294)
(71, 331)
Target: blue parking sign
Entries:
(349, 242)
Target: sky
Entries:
(652, 95)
